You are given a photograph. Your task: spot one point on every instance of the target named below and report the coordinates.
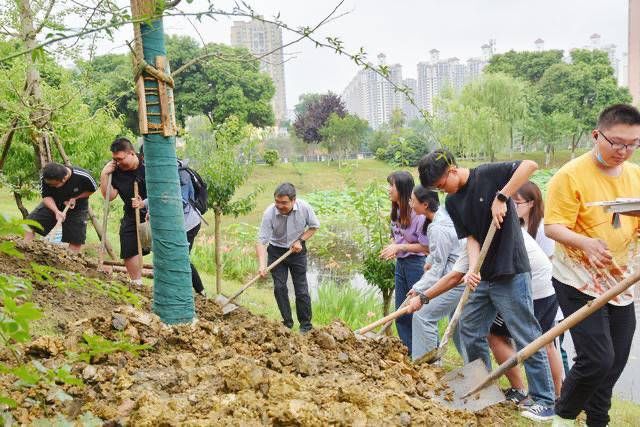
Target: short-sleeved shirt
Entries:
(470, 210)
(411, 234)
(123, 182)
(576, 184)
(546, 244)
(282, 230)
(79, 182)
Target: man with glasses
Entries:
(591, 249)
(287, 224)
(477, 197)
(126, 168)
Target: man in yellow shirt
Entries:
(591, 255)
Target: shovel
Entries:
(436, 354)
(52, 234)
(140, 256)
(569, 322)
(386, 322)
(362, 332)
(227, 303)
(107, 200)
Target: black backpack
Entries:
(199, 188)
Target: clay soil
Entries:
(238, 369)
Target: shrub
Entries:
(271, 157)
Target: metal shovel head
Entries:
(227, 307)
(369, 336)
(460, 381)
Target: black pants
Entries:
(602, 342)
(297, 265)
(196, 282)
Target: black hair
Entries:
(433, 165)
(400, 210)
(54, 172)
(618, 114)
(121, 144)
(285, 189)
(430, 198)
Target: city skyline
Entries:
(407, 31)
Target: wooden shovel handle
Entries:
(105, 215)
(569, 322)
(135, 194)
(257, 276)
(453, 322)
(387, 318)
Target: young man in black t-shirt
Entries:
(127, 168)
(476, 197)
(61, 186)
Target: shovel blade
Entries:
(460, 381)
(227, 307)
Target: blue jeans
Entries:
(408, 271)
(425, 335)
(512, 298)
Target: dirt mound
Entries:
(238, 369)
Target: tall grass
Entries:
(355, 307)
(238, 263)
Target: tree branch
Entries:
(6, 141)
(171, 4)
(45, 18)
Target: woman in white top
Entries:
(530, 206)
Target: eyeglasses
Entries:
(522, 203)
(618, 146)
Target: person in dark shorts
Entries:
(127, 168)
(61, 186)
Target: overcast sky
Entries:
(406, 30)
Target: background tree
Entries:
(581, 90)
(106, 82)
(222, 158)
(229, 82)
(529, 66)
(304, 101)
(307, 125)
(341, 135)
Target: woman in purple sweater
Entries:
(409, 245)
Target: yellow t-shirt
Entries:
(577, 183)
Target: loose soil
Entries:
(238, 369)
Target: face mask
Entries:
(600, 159)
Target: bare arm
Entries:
(518, 179)
(50, 204)
(595, 249)
(108, 169)
(446, 283)
(308, 234)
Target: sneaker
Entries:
(526, 402)
(514, 395)
(538, 413)
(558, 421)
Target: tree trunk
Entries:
(18, 199)
(218, 248)
(39, 117)
(6, 141)
(99, 232)
(172, 294)
(386, 301)
(547, 150)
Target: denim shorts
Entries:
(544, 309)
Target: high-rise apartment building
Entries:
(264, 40)
(374, 98)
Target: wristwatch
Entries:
(501, 197)
(423, 298)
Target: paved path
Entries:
(628, 386)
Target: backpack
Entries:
(199, 188)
